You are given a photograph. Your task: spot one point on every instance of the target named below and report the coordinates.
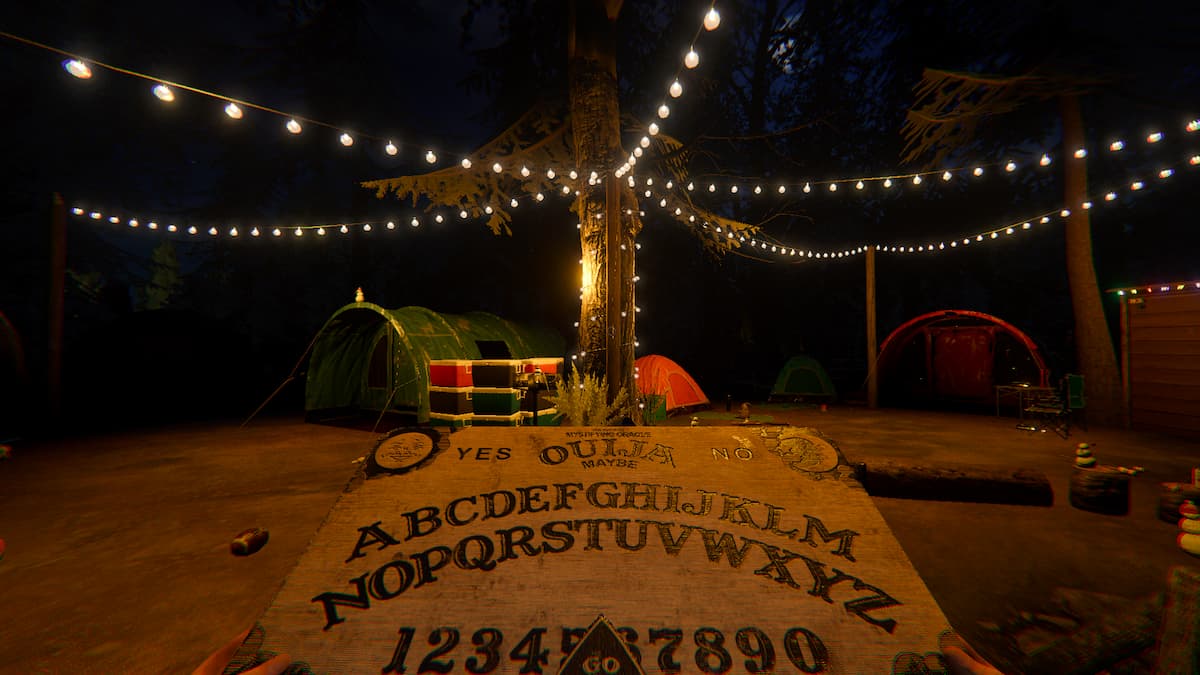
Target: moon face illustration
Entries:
(403, 450)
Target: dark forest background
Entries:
(169, 327)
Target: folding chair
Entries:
(1050, 411)
(1076, 403)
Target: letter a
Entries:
(371, 534)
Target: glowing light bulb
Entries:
(1080, 153)
(691, 59)
(916, 180)
(733, 189)
(807, 188)
(346, 139)
(573, 175)
(664, 111)
(887, 182)
(293, 126)
(1045, 160)
(858, 185)
(1194, 125)
(462, 214)
(712, 187)
(164, 93)
(550, 174)
(391, 149)
(95, 215)
(653, 128)
(946, 175)
(430, 157)
(488, 210)
(391, 225)
(676, 89)
(1137, 185)
(1166, 173)
(1026, 225)
(172, 228)
(497, 168)
(1110, 196)
(320, 232)
(712, 19)
(415, 222)
(637, 152)
(253, 233)
(343, 229)
(1044, 220)
(645, 142)
(299, 232)
(133, 222)
(466, 163)
(513, 202)
(757, 189)
(1010, 167)
(1116, 146)
(77, 68)
(1154, 137)
(978, 171)
(77, 211)
(833, 187)
(153, 225)
(233, 111)
(192, 230)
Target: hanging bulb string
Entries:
(414, 219)
(690, 60)
(184, 87)
(706, 182)
(733, 240)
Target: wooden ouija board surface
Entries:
(603, 550)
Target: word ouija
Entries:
(482, 552)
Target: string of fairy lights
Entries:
(784, 252)
(690, 61)
(1160, 288)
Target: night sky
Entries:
(827, 102)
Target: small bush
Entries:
(581, 401)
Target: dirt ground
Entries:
(118, 555)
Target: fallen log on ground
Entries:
(957, 483)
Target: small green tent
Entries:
(369, 358)
(803, 378)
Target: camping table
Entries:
(1022, 392)
(571, 550)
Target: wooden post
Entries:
(614, 324)
(872, 348)
(54, 333)
(1126, 395)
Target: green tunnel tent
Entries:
(803, 378)
(367, 357)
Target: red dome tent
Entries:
(658, 375)
(956, 356)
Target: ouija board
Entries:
(603, 550)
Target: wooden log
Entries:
(1100, 489)
(1173, 496)
(1179, 635)
(957, 483)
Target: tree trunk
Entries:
(1097, 361)
(606, 314)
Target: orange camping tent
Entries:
(661, 376)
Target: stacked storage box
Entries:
(547, 417)
(513, 420)
(450, 393)
(496, 400)
(496, 372)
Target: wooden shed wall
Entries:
(1164, 362)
